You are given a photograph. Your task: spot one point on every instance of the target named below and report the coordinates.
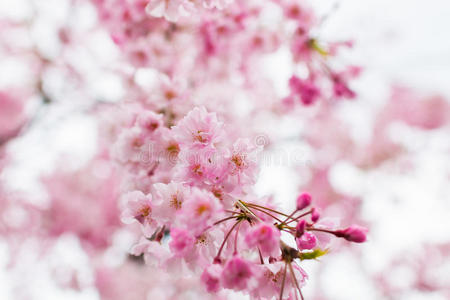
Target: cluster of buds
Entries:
(264, 237)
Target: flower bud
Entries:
(303, 201)
(354, 233)
(300, 228)
(315, 215)
(307, 241)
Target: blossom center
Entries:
(175, 202)
(145, 211)
(200, 137)
(238, 160)
(197, 170)
(169, 95)
(202, 208)
(137, 142)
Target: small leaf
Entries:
(315, 45)
(316, 253)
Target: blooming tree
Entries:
(189, 116)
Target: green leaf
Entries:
(316, 253)
(315, 45)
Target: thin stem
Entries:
(226, 238)
(321, 230)
(289, 217)
(295, 281)
(267, 213)
(301, 216)
(266, 208)
(288, 227)
(260, 256)
(236, 238)
(283, 281)
(158, 234)
(225, 219)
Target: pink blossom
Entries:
(207, 244)
(201, 166)
(306, 90)
(149, 122)
(266, 237)
(130, 146)
(323, 238)
(220, 4)
(198, 129)
(341, 88)
(269, 280)
(184, 172)
(170, 91)
(299, 11)
(167, 201)
(169, 9)
(243, 161)
(211, 278)
(139, 208)
(300, 45)
(236, 273)
(300, 274)
(155, 254)
(200, 210)
(83, 202)
(415, 109)
(181, 242)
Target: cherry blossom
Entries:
(213, 219)
(179, 145)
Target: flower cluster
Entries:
(172, 10)
(227, 42)
(205, 216)
(71, 192)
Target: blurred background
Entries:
(382, 159)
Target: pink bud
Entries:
(307, 241)
(303, 201)
(315, 215)
(354, 233)
(300, 228)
